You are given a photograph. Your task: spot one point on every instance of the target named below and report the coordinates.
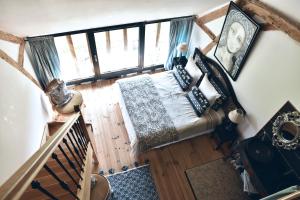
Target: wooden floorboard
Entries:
(168, 164)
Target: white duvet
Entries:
(185, 120)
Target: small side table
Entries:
(179, 61)
(224, 134)
(101, 190)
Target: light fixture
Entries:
(182, 48)
(236, 116)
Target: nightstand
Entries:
(179, 61)
(224, 133)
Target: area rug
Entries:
(134, 184)
(216, 180)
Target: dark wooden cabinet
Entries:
(270, 168)
(225, 132)
(179, 61)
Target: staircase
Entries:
(60, 169)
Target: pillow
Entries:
(201, 62)
(221, 90)
(194, 71)
(198, 101)
(183, 78)
(209, 90)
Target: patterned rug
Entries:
(216, 180)
(134, 184)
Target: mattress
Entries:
(181, 112)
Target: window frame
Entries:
(93, 50)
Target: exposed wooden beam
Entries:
(273, 17)
(157, 34)
(11, 38)
(21, 54)
(205, 29)
(215, 14)
(125, 38)
(268, 27)
(28, 75)
(71, 46)
(206, 49)
(108, 45)
(8, 59)
(13, 63)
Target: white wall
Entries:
(32, 18)
(12, 49)
(24, 111)
(270, 75)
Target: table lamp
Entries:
(234, 118)
(182, 48)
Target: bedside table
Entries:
(182, 60)
(224, 134)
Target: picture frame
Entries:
(237, 37)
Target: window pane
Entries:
(74, 57)
(156, 43)
(117, 49)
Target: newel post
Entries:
(88, 134)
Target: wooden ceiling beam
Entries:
(205, 29)
(8, 59)
(211, 45)
(273, 17)
(16, 65)
(215, 14)
(10, 38)
(21, 54)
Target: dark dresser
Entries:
(270, 168)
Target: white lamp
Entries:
(182, 48)
(236, 116)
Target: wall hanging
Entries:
(237, 36)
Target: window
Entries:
(107, 52)
(117, 49)
(75, 60)
(156, 43)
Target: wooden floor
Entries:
(168, 164)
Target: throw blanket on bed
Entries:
(152, 124)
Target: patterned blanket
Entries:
(152, 124)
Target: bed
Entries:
(157, 112)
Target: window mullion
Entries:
(141, 45)
(157, 34)
(93, 53)
(125, 39)
(108, 43)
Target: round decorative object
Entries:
(75, 101)
(286, 130)
(58, 93)
(101, 188)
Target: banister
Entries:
(16, 185)
(88, 135)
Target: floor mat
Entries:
(134, 184)
(216, 180)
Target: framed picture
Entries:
(237, 36)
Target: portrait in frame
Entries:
(237, 36)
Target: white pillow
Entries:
(208, 90)
(193, 70)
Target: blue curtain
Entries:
(46, 60)
(180, 31)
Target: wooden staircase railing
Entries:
(60, 169)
